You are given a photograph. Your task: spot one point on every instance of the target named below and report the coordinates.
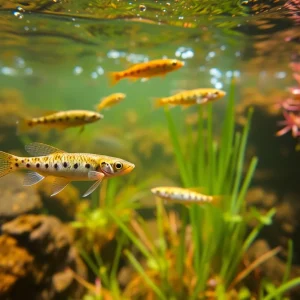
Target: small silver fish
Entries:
(182, 195)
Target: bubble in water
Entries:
(218, 85)
(28, 71)
(20, 9)
(77, 70)
(142, 7)
(18, 15)
(100, 70)
(94, 75)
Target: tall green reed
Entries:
(218, 166)
(219, 235)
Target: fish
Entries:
(146, 70)
(191, 97)
(183, 195)
(63, 166)
(110, 101)
(59, 120)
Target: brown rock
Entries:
(15, 263)
(15, 198)
(38, 259)
(64, 204)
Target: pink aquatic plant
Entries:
(291, 122)
(291, 107)
(290, 104)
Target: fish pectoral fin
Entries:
(40, 149)
(92, 188)
(201, 100)
(58, 185)
(81, 129)
(144, 79)
(185, 106)
(94, 175)
(133, 79)
(32, 178)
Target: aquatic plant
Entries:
(97, 227)
(94, 223)
(207, 262)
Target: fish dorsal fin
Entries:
(178, 91)
(39, 149)
(198, 189)
(49, 112)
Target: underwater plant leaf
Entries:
(113, 279)
(246, 183)
(141, 271)
(227, 136)
(177, 149)
(240, 164)
(142, 234)
(132, 237)
(255, 231)
(160, 227)
(210, 152)
(260, 260)
(200, 154)
(83, 282)
(180, 253)
(89, 262)
(287, 271)
(283, 288)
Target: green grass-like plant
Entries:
(219, 237)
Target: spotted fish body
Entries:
(65, 167)
(60, 120)
(158, 67)
(110, 101)
(181, 195)
(191, 97)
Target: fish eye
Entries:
(174, 63)
(216, 93)
(118, 165)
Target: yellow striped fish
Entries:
(110, 101)
(191, 97)
(65, 167)
(183, 195)
(60, 120)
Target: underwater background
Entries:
(122, 242)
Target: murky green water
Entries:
(57, 54)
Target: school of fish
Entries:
(64, 167)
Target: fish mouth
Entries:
(129, 168)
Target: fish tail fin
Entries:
(217, 199)
(158, 103)
(5, 163)
(114, 77)
(22, 126)
(97, 107)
